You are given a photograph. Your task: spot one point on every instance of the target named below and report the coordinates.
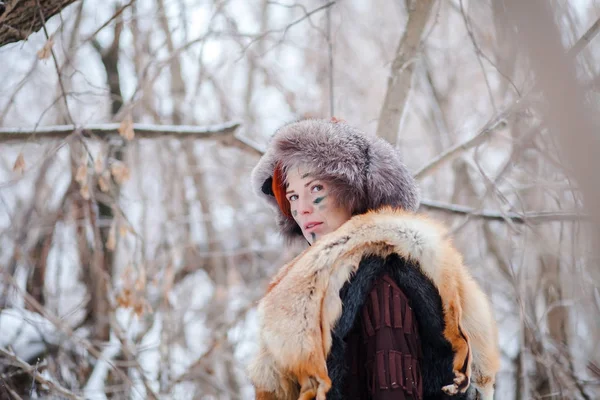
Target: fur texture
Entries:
(364, 172)
(302, 306)
(436, 365)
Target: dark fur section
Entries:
(427, 306)
(364, 172)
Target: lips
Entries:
(311, 225)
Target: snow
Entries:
(26, 333)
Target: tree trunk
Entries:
(20, 18)
(399, 81)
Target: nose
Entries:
(305, 206)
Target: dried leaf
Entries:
(141, 307)
(81, 174)
(98, 165)
(221, 293)
(126, 275)
(111, 241)
(123, 230)
(104, 181)
(140, 283)
(138, 309)
(19, 165)
(124, 299)
(234, 278)
(85, 191)
(18, 254)
(46, 51)
(169, 277)
(126, 128)
(120, 172)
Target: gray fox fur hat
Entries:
(364, 172)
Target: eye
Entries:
(293, 197)
(317, 188)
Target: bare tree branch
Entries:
(493, 125)
(53, 387)
(117, 14)
(525, 218)
(285, 30)
(110, 129)
(497, 122)
(585, 39)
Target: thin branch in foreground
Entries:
(104, 25)
(330, 54)
(519, 218)
(58, 74)
(52, 386)
(585, 39)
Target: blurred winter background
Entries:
(132, 250)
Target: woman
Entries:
(388, 342)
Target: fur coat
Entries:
(302, 325)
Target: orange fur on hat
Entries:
(278, 188)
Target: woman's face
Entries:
(312, 208)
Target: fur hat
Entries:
(364, 172)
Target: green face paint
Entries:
(319, 199)
(313, 236)
(295, 213)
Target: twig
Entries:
(287, 28)
(59, 76)
(104, 25)
(585, 39)
(527, 217)
(216, 342)
(35, 371)
(491, 126)
(480, 54)
(60, 325)
(120, 335)
(41, 380)
(330, 53)
(12, 392)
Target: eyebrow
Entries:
(305, 185)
